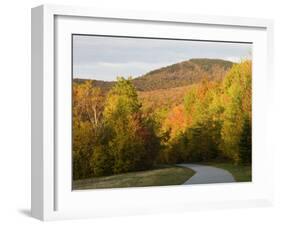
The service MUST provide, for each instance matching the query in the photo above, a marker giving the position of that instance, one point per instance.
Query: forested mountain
(197, 110)
(183, 73)
(176, 75)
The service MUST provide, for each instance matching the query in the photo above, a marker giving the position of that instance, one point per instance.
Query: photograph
(152, 111)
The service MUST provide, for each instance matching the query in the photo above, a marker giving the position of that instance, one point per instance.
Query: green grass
(241, 173)
(160, 176)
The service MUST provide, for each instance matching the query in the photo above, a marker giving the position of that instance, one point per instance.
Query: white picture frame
(52, 197)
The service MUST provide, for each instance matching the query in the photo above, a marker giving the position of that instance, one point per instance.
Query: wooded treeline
(120, 131)
(176, 75)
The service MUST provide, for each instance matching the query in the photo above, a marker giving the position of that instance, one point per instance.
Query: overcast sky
(104, 58)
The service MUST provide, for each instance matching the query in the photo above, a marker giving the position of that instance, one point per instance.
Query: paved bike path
(208, 174)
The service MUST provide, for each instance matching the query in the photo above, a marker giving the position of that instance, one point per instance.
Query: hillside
(176, 75)
(162, 98)
(183, 74)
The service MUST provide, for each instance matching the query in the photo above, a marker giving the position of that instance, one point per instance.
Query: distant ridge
(176, 75)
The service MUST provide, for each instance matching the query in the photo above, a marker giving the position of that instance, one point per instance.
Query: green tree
(83, 141)
(134, 145)
(245, 144)
(102, 159)
(122, 100)
(236, 102)
(202, 127)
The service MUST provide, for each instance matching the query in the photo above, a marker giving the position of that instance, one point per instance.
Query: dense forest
(196, 110)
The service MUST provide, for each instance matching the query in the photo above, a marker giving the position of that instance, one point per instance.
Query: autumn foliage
(122, 130)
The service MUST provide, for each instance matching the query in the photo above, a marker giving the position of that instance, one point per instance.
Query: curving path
(208, 174)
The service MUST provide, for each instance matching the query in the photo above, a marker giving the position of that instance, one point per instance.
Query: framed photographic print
(137, 112)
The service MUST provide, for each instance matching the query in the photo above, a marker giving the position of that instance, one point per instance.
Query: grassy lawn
(164, 175)
(241, 173)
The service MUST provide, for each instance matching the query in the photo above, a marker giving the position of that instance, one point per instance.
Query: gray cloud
(104, 58)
